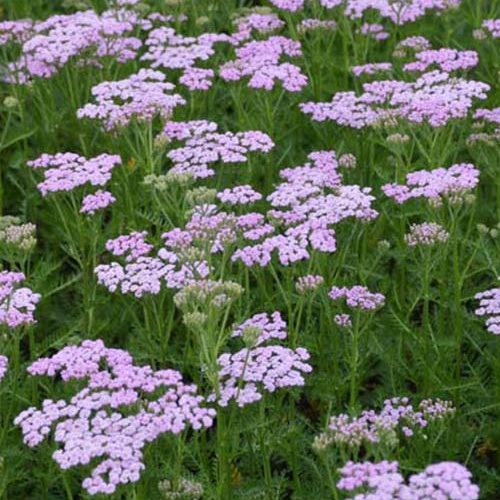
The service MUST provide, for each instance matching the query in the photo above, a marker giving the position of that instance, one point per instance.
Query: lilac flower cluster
(203, 146)
(142, 96)
(260, 60)
(197, 78)
(358, 296)
(261, 23)
(17, 304)
(97, 201)
(85, 37)
(244, 375)
(434, 97)
(239, 195)
(397, 414)
(308, 282)
(398, 11)
(374, 30)
(4, 363)
(445, 59)
(377, 481)
(312, 199)
(370, 69)
(67, 171)
(118, 412)
(488, 115)
(452, 183)
(492, 26)
(489, 302)
(343, 320)
(313, 24)
(426, 234)
(131, 245)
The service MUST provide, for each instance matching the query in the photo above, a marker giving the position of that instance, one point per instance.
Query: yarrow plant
(489, 302)
(17, 303)
(426, 234)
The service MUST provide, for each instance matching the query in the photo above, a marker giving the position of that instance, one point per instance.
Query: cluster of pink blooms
(435, 98)
(260, 60)
(67, 171)
(4, 363)
(141, 96)
(426, 234)
(114, 416)
(343, 320)
(397, 414)
(144, 274)
(371, 68)
(97, 201)
(204, 145)
(488, 115)
(452, 183)
(85, 37)
(375, 30)
(382, 481)
(261, 23)
(445, 59)
(308, 282)
(493, 26)
(244, 375)
(15, 31)
(197, 78)
(398, 11)
(312, 199)
(239, 195)
(17, 304)
(414, 43)
(313, 23)
(489, 302)
(358, 296)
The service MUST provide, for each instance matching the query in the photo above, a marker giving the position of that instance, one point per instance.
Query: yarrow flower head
(374, 481)
(398, 418)
(246, 374)
(17, 236)
(308, 282)
(426, 234)
(67, 171)
(239, 195)
(122, 408)
(141, 96)
(358, 296)
(260, 60)
(452, 183)
(489, 302)
(97, 201)
(492, 26)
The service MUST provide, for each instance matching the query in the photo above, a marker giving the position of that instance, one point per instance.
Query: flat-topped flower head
(4, 363)
(97, 201)
(67, 171)
(261, 61)
(358, 296)
(17, 303)
(445, 59)
(489, 302)
(308, 283)
(142, 96)
(383, 481)
(122, 408)
(452, 183)
(425, 234)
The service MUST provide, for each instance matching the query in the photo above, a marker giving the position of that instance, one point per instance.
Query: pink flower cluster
(85, 37)
(67, 171)
(239, 195)
(488, 115)
(4, 363)
(445, 59)
(453, 183)
(375, 30)
(493, 26)
(370, 69)
(426, 234)
(197, 78)
(142, 96)
(17, 304)
(260, 60)
(313, 23)
(312, 199)
(144, 274)
(382, 481)
(489, 302)
(261, 23)
(434, 97)
(97, 201)
(121, 409)
(308, 282)
(244, 375)
(358, 296)
(203, 146)
(397, 414)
